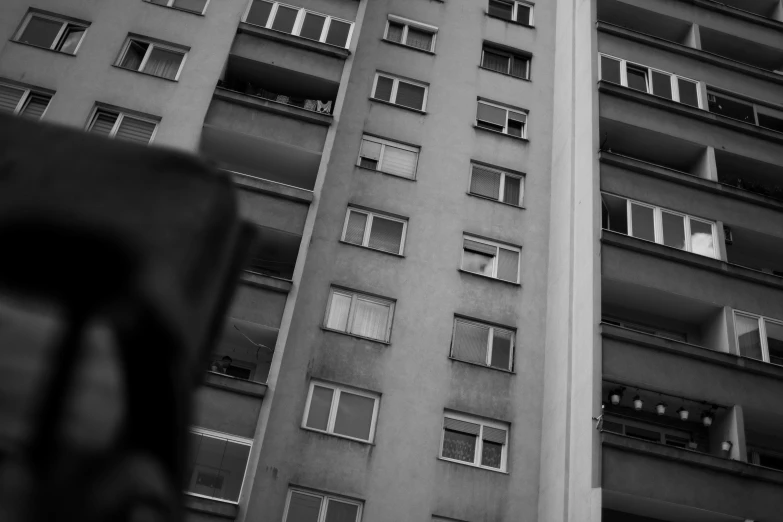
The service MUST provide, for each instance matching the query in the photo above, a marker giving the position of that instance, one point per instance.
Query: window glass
(519, 67)
(354, 416)
(383, 88)
(339, 307)
(215, 467)
(491, 454)
(394, 33)
(513, 191)
(637, 78)
(508, 265)
(197, 6)
(459, 446)
(731, 108)
(774, 342)
(103, 123)
(163, 63)
(470, 342)
(610, 70)
(303, 507)
(501, 349)
(70, 39)
(770, 122)
(615, 213)
(285, 19)
(673, 230)
(338, 33)
(370, 319)
(320, 405)
(501, 9)
(259, 13)
(35, 106)
(337, 511)
(523, 14)
(496, 62)
(399, 162)
(419, 39)
(134, 55)
(688, 92)
(662, 84)
(312, 26)
(354, 230)
(702, 241)
(643, 222)
(748, 336)
(516, 124)
(386, 235)
(409, 95)
(41, 31)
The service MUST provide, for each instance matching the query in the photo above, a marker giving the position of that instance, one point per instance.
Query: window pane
(371, 149)
(41, 32)
(370, 319)
(459, 446)
(259, 13)
(688, 92)
(508, 265)
(478, 263)
(338, 312)
(516, 127)
(9, 98)
(610, 70)
(103, 123)
(320, 404)
(409, 95)
(637, 78)
(701, 239)
(494, 115)
(774, 342)
(312, 26)
(383, 88)
(662, 84)
(354, 416)
(732, 109)
(232, 470)
(615, 213)
(485, 182)
(399, 162)
(205, 478)
(134, 55)
(338, 33)
(35, 106)
(748, 336)
(501, 349)
(394, 33)
(163, 63)
(470, 342)
(197, 6)
(132, 129)
(642, 222)
(673, 230)
(70, 39)
(419, 39)
(519, 67)
(513, 191)
(523, 14)
(341, 511)
(386, 235)
(491, 454)
(354, 230)
(285, 19)
(303, 508)
(495, 62)
(501, 9)
(770, 122)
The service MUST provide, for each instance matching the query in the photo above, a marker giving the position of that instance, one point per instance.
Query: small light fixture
(707, 417)
(683, 413)
(638, 404)
(660, 408)
(615, 396)
(692, 444)
(726, 445)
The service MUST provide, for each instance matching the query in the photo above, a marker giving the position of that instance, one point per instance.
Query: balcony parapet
(210, 506)
(235, 384)
(275, 284)
(263, 104)
(273, 188)
(294, 41)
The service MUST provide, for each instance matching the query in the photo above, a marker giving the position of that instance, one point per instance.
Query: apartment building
(516, 260)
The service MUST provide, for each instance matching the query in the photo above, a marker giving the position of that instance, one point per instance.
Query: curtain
(132, 129)
(103, 123)
(459, 446)
(163, 63)
(701, 238)
(35, 107)
(519, 67)
(320, 406)
(338, 311)
(508, 265)
(134, 55)
(303, 507)
(496, 62)
(399, 162)
(339, 512)
(386, 235)
(485, 182)
(419, 39)
(197, 6)
(502, 341)
(409, 95)
(513, 191)
(470, 342)
(370, 319)
(9, 98)
(354, 230)
(394, 34)
(73, 35)
(748, 336)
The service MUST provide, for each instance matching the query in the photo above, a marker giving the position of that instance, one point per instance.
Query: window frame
(371, 215)
(170, 5)
(299, 21)
(502, 192)
(505, 126)
(385, 142)
(334, 406)
(230, 438)
(762, 322)
(515, 11)
(407, 23)
(151, 46)
(120, 117)
(27, 92)
(57, 39)
(663, 431)
(393, 96)
(325, 499)
(355, 295)
(495, 258)
(490, 342)
(757, 108)
(479, 442)
(486, 46)
(673, 79)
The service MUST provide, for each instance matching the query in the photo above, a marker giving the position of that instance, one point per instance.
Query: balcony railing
(308, 104)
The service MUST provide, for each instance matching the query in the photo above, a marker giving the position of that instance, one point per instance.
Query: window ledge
(338, 436)
(501, 134)
(482, 276)
(486, 198)
(211, 506)
(369, 339)
(505, 74)
(473, 466)
(376, 100)
(372, 249)
(249, 182)
(42, 48)
(145, 74)
(294, 41)
(398, 44)
(501, 370)
(385, 173)
(275, 284)
(235, 384)
(509, 21)
(174, 8)
(262, 104)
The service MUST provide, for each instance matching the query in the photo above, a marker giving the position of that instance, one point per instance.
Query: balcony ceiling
(657, 509)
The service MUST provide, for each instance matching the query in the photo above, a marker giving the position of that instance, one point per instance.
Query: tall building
(516, 261)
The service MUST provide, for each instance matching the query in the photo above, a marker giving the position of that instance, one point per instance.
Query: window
(300, 22)
(649, 432)
(216, 464)
(759, 337)
(497, 185)
(481, 343)
(342, 411)
(662, 226)
(374, 230)
(651, 81)
(51, 32)
(520, 12)
(309, 506)
(501, 119)
(490, 259)
(410, 33)
(746, 111)
(388, 157)
(359, 314)
(23, 101)
(473, 441)
(399, 92)
(506, 62)
(152, 58)
(114, 124)
(194, 6)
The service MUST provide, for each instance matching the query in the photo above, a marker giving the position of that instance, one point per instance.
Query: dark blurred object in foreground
(118, 262)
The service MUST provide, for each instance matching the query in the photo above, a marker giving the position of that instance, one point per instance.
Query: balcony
(750, 174)
(765, 8)
(741, 50)
(646, 21)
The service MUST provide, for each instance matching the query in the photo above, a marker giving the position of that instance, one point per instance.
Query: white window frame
(338, 389)
(355, 295)
(231, 438)
(675, 86)
(170, 3)
(502, 192)
(406, 23)
(371, 215)
(395, 84)
(384, 142)
(120, 116)
(508, 111)
(762, 322)
(26, 93)
(300, 17)
(512, 56)
(325, 499)
(658, 224)
(150, 46)
(65, 23)
(479, 443)
(757, 108)
(515, 10)
(497, 246)
(662, 431)
(490, 341)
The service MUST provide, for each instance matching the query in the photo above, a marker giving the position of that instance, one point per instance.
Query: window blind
(285, 19)
(419, 39)
(494, 435)
(36, 105)
(399, 162)
(475, 246)
(461, 426)
(103, 123)
(485, 182)
(410, 95)
(386, 235)
(508, 265)
(519, 67)
(512, 191)
(394, 33)
(371, 150)
(370, 319)
(501, 9)
(496, 62)
(470, 342)
(383, 88)
(354, 230)
(303, 507)
(501, 349)
(494, 115)
(132, 129)
(9, 98)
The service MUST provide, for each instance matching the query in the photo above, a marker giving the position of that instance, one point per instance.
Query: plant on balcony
(775, 192)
